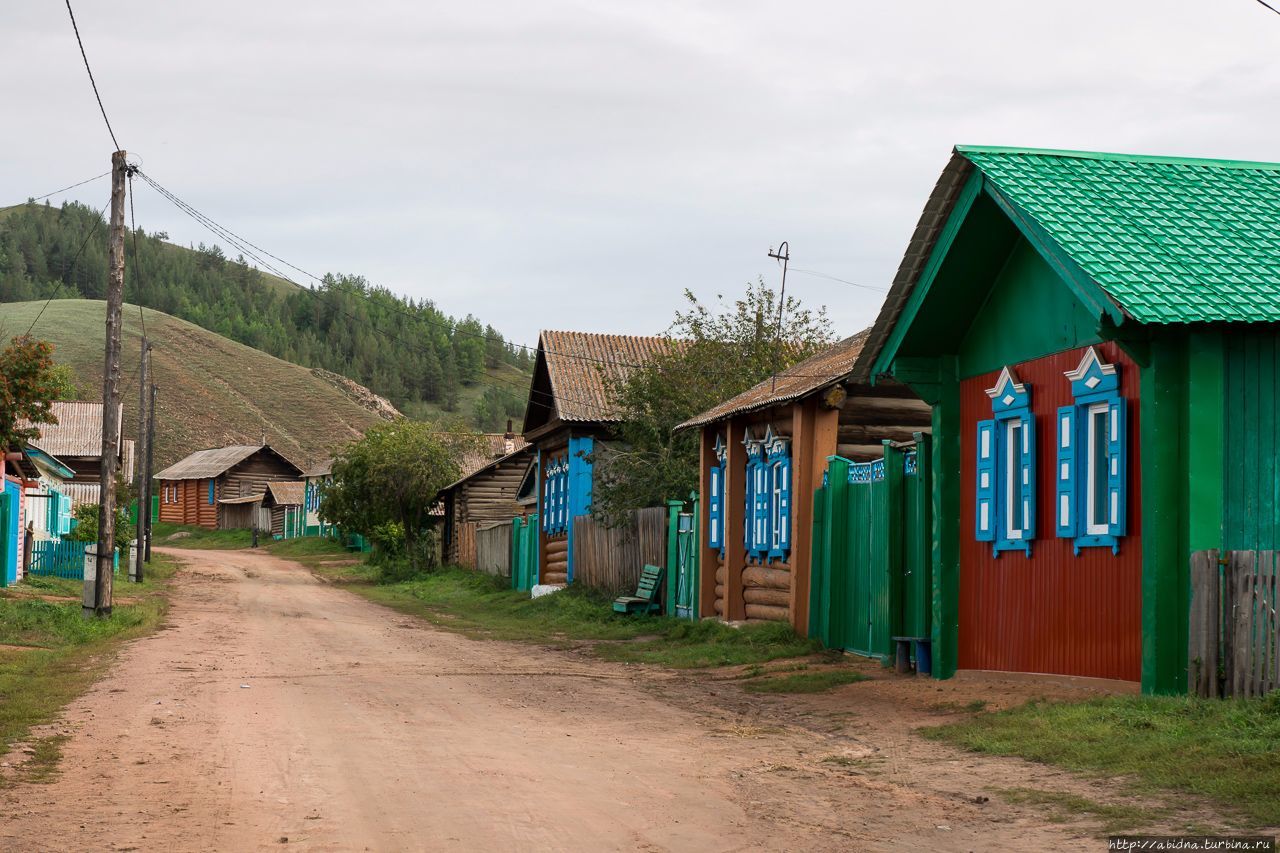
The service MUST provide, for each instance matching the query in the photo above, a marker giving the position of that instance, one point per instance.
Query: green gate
(682, 558)
(871, 577)
(524, 552)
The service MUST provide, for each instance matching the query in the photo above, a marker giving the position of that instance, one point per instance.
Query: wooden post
(734, 512)
(146, 474)
(813, 439)
(111, 392)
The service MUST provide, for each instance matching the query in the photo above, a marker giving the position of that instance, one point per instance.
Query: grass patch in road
(818, 681)
(320, 554)
(1223, 750)
(483, 606)
(165, 534)
(67, 652)
(1062, 807)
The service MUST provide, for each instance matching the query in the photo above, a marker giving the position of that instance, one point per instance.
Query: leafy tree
(391, 476)
(717, 352)
(29, 383)
(86, 516)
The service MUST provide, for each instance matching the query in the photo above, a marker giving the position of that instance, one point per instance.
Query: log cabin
(222, 488)
(1099, 338)
(569, 418)
(763, 454)
(283, 502)
(485, 494)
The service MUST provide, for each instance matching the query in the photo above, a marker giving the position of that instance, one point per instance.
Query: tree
(391, 476)
(29, 383)
(717, 352)
(86, 515)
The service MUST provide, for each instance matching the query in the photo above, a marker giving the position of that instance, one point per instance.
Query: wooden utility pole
(145, 543)
(139, 458)
(111, 391)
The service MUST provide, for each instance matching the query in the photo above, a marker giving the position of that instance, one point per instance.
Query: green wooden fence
(871, 578)
(58, 558)
(682, 558)
(524, 552)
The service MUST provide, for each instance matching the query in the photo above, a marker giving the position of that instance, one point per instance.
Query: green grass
(484, 607)
(818, 681)
(1062, 807)
(200, 537)
(1225, 751)
(67, 652)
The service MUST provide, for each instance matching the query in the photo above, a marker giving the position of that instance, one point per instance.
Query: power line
(1269, 6)
(841, 280)
(137, 264)
(92, 82)
(66, 268)
(57, 192)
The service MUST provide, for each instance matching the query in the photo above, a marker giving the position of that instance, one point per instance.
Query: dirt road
(277, 712)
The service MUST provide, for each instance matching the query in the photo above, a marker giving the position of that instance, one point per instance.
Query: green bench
(646, 598)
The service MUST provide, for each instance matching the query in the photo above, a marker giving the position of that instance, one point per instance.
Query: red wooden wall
(192, 505)
(1052, 612)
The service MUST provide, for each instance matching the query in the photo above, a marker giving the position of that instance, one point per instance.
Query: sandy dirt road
(276, 712)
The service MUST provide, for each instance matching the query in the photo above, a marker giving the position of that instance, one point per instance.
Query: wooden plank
(1242, 602)
(1226, 616)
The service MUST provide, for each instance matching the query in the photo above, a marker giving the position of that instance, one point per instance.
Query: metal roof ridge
(1166, 159)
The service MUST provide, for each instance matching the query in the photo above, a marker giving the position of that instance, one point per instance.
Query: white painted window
(1097, 504)
(1015, 511)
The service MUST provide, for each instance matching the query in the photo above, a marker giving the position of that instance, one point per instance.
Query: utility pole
(139, 457)
(783, 257)
(145, 544)
(111, 391)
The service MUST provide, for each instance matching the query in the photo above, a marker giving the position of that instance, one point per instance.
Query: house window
(211, 492)
(767, 533)
(1092, 451)
(1005, 508)
(555, 495)
(715, 532)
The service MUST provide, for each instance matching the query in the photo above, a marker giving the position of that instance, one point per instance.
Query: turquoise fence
(59, 558)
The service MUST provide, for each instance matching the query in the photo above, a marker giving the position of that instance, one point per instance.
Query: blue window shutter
(784, 512)
(1027, 475)
(210, 491)
(713, 505)
(1117, 430)
(764, 503)
(984, 522)
(1065, 474)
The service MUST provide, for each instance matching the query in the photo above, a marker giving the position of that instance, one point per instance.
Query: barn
(1097, 335)
(221, 488)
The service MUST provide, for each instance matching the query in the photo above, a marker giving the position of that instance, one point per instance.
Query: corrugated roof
(245, 499)
(799, 380)
(78, 431)
(211, 463)
(578, 362)
(321, 469)
(492, 446)
(287, 493)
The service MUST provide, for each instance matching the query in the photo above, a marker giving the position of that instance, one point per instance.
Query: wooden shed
(283, 500)
(217, 488)
(485, 495)
(569, 417)
(764, 453)
(1098, 336)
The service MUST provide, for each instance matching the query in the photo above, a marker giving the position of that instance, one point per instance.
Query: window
(778, 453)
(555, 495)
(715, 533)
(1092, 452)
(1005, 507)
(767, 532)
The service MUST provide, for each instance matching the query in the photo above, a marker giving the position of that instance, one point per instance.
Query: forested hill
(408, 351)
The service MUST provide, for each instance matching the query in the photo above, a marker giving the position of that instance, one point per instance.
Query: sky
(579, 165)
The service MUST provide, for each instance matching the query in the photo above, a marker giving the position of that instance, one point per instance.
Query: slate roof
(78, 431)
(286, 493)
(801, 379)
(578, 362)
(211, 463)
(1166, 239)
(321, 469)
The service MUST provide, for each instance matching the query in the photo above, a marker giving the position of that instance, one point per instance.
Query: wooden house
(484, 495)
(569, 418)
(47, 506)
(1099, 338)
(317, 476)
(12, 521)
(764, 452)
(221, 488)
(284, 500)
(76, 441)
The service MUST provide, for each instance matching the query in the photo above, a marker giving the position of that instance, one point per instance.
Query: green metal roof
(1171, 240)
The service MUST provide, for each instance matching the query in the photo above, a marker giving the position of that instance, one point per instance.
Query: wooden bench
(646, 598)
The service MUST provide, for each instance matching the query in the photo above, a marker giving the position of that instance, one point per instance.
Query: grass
(818, 681)
(1224, 751)
(1062, 807)
(199, 537)
(64, 652)
(484, 607)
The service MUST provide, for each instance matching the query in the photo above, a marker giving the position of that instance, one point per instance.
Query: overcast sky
(577, 165)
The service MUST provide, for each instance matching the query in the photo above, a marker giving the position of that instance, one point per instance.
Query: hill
(405, 350)
(213, 391)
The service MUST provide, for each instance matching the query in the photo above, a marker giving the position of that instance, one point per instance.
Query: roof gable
(78, 431)
(572, 371)
(217, 461)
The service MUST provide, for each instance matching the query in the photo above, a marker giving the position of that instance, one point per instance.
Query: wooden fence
(1234, 636)
(493, 549)
(610, 559)
(464, 547)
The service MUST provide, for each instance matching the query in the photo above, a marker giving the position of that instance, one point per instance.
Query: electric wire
(57, 192)
(1268, 6)
(62, 279)
(92, 82)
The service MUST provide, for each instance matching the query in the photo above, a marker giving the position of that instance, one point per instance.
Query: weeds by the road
(1062, 807)
(51, 653)
(817, 681)
(482, 606)
(190, 536)
(1221, 749)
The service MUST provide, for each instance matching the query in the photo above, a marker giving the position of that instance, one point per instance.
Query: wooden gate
(1234, 636)
(682, 559)
(871, 577)
(493, 549)
(524, 552)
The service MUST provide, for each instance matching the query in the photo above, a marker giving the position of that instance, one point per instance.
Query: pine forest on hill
(426, 363)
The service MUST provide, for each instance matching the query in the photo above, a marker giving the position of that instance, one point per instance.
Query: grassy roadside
(190, 536)
(1224, 751)
(49, 653)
